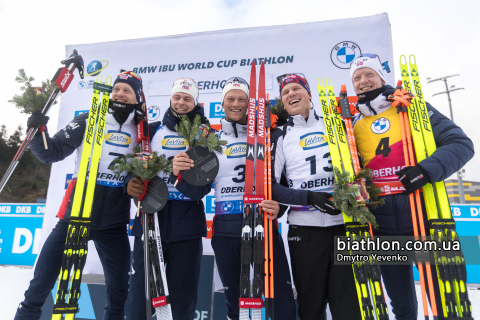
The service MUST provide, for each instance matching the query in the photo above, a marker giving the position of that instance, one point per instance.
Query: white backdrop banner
(316, 49)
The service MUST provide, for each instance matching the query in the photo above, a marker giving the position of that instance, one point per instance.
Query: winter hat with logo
(299, 78)
(367, 60)
(235, 83)
(186, 85)
(133, 80)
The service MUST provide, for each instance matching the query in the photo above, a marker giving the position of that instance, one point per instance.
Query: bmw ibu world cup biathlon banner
(316, 49)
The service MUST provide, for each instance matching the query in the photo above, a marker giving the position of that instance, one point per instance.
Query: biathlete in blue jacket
(182, 220)
(314, 221)
(111, 208)
(229, 190)
(379, 142)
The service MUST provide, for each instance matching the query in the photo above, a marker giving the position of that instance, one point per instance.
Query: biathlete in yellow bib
(379, 141)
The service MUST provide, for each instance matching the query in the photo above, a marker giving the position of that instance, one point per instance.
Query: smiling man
(379, 141)
(182, 220)
(314, 221)
(111, 208)
(229, 189)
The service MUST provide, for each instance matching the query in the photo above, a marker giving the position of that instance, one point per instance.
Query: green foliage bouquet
(352, 195)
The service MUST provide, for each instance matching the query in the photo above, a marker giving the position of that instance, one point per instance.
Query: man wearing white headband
(229, 185)
(182, 220)
(379, 142)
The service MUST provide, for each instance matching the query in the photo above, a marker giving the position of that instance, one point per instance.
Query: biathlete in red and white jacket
(229, 189)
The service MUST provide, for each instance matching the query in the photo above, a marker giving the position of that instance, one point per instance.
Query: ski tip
(412, 56)
(328, 82)
(320, 82)
(253, 64)
(403, 60)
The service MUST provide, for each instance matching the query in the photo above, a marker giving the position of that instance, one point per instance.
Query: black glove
(321, 201)
(37, 119)
(412, 178)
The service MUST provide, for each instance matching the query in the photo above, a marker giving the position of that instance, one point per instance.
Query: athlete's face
(296, 99)
(182, 103)
(235, 105)
(366, 79)
(123, 93)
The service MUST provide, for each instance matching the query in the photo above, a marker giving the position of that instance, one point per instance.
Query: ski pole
(401, 99)
(62, 78)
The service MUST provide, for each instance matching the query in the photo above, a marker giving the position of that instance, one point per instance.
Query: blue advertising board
(20, 232)
(467, 221)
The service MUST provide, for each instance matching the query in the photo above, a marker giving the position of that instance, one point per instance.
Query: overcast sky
(444, 36)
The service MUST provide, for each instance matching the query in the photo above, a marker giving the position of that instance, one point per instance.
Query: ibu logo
(236, 150)
(216, 110)
(313, 140)
(174, 143)
(118, 139)
(380, 125)
(95, 67)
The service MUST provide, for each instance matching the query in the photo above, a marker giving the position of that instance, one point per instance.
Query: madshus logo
(343, 53)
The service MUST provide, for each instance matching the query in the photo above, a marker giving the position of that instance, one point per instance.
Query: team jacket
(379, 142)
(183, 217)
(111, 207)
(230, 182)
(303, 157)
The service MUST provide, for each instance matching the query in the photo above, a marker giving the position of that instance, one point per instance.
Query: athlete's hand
(181, 162)
(413, 178)
(321, 202)
(37, 119)
(271, 208)
(135, 187)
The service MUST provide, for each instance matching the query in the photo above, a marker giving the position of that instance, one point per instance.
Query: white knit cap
(367, 61)
(186, 85)
(235, 84)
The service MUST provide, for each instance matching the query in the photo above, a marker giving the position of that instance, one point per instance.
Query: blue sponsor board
(467, 221)
(20, 232)
(216, 110)
(80, 112)
(210, 202)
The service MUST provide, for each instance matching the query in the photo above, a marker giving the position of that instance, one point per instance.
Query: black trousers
(114, 252)
(227, 257)
(182, 259)
(317, 279)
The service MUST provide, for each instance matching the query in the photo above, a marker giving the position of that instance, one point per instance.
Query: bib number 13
(313, 164)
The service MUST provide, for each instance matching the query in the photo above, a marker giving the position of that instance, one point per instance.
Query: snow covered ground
(14, 281)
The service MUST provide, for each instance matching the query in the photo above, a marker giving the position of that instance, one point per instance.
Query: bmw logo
(380, 125)
(82, 85)
(227, 206)
(95, 67)
(153, 113)
(343, 53)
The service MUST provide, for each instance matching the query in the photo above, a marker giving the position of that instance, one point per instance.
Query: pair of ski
(343, 153)
(76, 244)
(257, 228)
(450, 265)
(156, 288)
